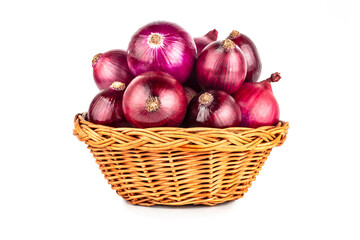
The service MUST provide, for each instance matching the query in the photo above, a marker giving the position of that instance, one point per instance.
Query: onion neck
(234, 34)
(119, 86)
(212, 35)
(96, 58)
(152, 104)
(155, 40)
(228, 44)
(206, 98)
(275, 77)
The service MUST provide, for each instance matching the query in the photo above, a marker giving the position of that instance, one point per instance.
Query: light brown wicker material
(179, 166)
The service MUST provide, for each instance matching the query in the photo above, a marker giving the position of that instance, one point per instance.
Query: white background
(51, 187)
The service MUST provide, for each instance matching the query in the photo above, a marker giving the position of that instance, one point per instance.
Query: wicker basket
(179, 166)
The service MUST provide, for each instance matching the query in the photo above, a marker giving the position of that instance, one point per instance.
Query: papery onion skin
(220, 112)
(202, 42)
(154, 99)
(257, 103)
(221, 65)
(109, 67)
(106, 107)
(253, 61)
(162, 46)
(190, 93)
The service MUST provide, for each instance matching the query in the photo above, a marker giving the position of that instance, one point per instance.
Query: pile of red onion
(166, 78)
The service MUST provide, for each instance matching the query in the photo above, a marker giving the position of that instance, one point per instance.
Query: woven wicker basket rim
(82, 119)
(180, 139)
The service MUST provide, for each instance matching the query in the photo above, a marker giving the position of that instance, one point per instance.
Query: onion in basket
(109, 67)
(221, 65)
(162, 46)
(154, 99)
(257, 103)
(213, 108)
(106, 107)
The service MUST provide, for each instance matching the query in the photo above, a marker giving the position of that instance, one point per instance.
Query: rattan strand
(179, 166)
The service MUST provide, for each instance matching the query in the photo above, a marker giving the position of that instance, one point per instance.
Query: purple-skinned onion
(154, 99)
(221, 66)
(111, 67)
(162, 46)
(253, 62)
(213, 108)
(257, 103)
(106, 107)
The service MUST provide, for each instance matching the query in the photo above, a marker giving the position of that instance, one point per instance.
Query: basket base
(203, 202)
(218, 189)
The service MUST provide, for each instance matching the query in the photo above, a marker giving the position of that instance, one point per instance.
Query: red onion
(257, 103)
(154, 99)
(221, 65)
(251, 54)
(190, 93)
(162, 46)
(213, 108)
(202, 42)
(110, 67)
(106, 107)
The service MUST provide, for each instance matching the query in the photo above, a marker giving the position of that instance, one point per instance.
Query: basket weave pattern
(179, 166)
